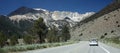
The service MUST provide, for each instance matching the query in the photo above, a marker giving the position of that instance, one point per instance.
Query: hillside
(20, 21)
(104, 24)
(7, 27)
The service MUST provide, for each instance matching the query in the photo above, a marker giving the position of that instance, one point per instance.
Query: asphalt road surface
(81, 47)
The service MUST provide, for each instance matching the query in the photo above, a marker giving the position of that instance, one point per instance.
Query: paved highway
(81, 47)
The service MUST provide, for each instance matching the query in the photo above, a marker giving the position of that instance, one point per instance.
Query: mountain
(75, 16)
(104, 24)
(34, 13)
(7, 27)
(24, 17)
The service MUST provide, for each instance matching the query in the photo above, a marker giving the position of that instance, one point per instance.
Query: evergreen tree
(2, 39)
(13, 40)
(40, 29)
(52, 35)
(65, 33)
(28, 39)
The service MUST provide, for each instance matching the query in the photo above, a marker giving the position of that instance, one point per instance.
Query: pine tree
(52, 35)
(13, 40)
(2, 39)
(65, 33)
(40, 29)
(28, 39)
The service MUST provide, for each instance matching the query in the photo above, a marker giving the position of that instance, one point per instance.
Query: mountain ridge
(54, 14)
(102, 25)
(51, 18)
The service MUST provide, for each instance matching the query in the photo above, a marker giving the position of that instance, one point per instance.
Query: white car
(93, 42)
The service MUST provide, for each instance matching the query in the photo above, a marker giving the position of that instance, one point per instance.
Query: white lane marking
(104, 49)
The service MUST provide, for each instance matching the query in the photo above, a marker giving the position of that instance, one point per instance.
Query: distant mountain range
(55, 18)
(24, 17)
(34, 13)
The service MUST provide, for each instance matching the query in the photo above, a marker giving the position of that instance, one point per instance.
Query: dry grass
(18, 48)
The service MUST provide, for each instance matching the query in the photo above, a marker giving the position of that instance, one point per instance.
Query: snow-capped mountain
(51, 18)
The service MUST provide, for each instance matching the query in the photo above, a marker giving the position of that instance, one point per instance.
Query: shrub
(113, 40)
(118, 26)
(2, 39)
(81, 34)
(112, 31)
(13, 40)
(102, 37)
(28, 39)
(117, 22)
(105, 34)
(3, 51)
(34, 46)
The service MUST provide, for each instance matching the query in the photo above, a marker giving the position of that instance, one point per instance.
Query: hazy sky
(81, 6)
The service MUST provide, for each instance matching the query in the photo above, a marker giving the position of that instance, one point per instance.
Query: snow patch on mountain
(39, 9)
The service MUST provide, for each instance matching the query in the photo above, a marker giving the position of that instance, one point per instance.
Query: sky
(80, 6)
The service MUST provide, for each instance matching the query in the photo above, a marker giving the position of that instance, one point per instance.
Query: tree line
(39, 33)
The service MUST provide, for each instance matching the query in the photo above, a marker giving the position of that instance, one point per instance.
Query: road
(81, 47)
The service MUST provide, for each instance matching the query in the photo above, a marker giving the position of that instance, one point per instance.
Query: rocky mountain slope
(7, 27)
(21, 20)
(34, 13)
(24, 17)
(104, 24)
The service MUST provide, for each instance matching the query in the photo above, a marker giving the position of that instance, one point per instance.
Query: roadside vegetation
(114, 41)
(18, 48)
(39, 36)
(3, 51)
